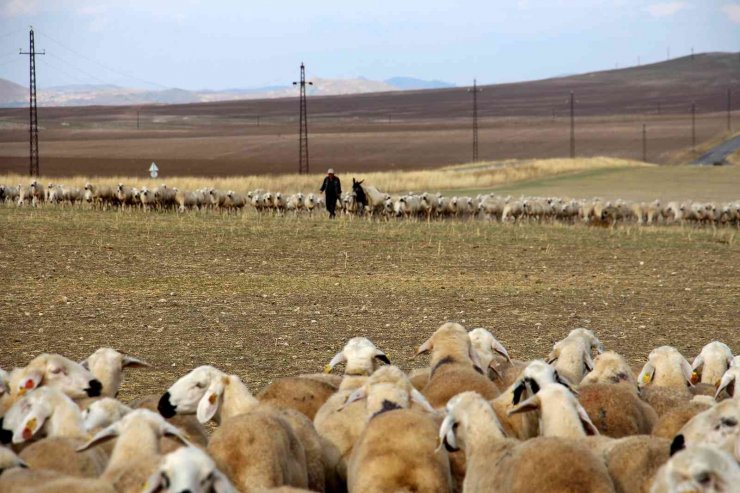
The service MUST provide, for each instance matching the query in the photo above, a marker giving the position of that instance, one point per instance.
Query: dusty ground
(264, 297)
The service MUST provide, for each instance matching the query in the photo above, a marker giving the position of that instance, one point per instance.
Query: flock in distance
(369, 201)
(473, 419)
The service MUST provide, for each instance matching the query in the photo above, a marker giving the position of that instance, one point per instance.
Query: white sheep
(611, 367)
(729, 382)
(54, 370)
(497, 463)
(488, 348)
(188, 469)
(107, 366)
(701, 469)
(103, 413)
(666, 367)
(718, 426)
(213, 395)
(572, 356)
(136, 452)
(409, 460)
(561, 415)
(712, 362)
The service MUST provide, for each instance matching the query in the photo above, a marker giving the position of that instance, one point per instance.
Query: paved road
(719, 153)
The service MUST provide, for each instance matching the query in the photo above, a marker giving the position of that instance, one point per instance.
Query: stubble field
(266, 296)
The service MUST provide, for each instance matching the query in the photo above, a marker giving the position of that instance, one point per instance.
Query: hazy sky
(221, 44)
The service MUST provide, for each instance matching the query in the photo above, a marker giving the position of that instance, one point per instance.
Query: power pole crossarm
(33, 124)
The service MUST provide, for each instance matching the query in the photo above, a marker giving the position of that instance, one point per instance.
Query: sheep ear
(598, 345)
(496, 373)
(419, 398)
(553, 356)
(518, 391)
(687, 371)
(500, 349)
(210, 401)
(588, 362)
(646, 375)
(565, 382)
(31, 381)
(154, 483)
(447, 434)
(30, 425)
(531, 404)
(588, 425)
(85, 364)
(355, 396)
(698, 362)
(130, 361)
(727, 379)
(380, 355)
(338, 358)
(425, 348)
(171, 430)
(100, 437)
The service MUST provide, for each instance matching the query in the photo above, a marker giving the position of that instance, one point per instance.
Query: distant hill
(11, 94)
(672, 85)
(410, 83)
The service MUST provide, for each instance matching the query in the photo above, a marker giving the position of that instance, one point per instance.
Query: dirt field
(390, 131)
(264, 297)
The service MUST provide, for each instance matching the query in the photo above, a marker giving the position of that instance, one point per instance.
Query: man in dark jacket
(333, 189)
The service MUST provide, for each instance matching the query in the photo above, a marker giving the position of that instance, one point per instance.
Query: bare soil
(264, 297)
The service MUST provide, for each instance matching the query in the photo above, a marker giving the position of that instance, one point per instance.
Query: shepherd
(333, 189)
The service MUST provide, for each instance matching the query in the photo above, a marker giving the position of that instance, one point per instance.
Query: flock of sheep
(363, 199)
(473, 420)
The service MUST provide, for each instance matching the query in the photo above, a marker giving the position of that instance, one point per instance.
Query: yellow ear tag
(327, 368)
(646, 378)
(694, 377)
(29, 429)
(212, 398)
(22, 391)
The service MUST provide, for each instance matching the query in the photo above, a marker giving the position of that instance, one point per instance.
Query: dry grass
(476, 175)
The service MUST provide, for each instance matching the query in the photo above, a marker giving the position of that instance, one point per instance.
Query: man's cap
(331, 171)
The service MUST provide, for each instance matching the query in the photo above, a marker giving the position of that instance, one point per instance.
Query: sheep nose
(678, 444)
(165, 407)
(94, 389)
(6, 436)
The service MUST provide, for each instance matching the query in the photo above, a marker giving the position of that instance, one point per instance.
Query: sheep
(146, 197)
(56, 371)
(188, 469)
(610, 367)
(712, 362)
(103, 413)
(488, 348)
(497, 463)
(572, 355)
(533, 377)
(8, 460)
(360, 356)
(409, 461)
(236, 200)
(340, 426)
(729, 382)
(9, 193)
(48, 412)
(454, 366)
(310, 202)
(102, 195)
(107, 366)
(616, 410)
(187, 200)
(303, 393)
(212, 394)
(561, 415)
(188, 424)
(136, 452)
(666, 367)
(295, 202)
(22, 480)
(700, 469)
(718, 426)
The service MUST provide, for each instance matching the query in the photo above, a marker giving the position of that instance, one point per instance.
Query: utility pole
(644, 143)
(303, 125)
(137, 119)
(668, 53)
(572, 126)
(659, 107)
(33, 125)
(475, 92)
(693, 126)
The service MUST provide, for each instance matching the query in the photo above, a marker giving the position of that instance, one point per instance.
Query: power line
(33, 127)
(72, 66)
(116, 71)
(303, 125)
